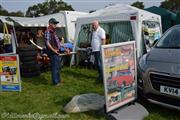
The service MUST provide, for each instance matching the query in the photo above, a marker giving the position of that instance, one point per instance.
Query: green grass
(39, 96)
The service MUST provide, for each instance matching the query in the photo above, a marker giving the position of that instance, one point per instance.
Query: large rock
(85, 102)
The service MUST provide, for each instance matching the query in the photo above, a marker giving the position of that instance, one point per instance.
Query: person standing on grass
(98, 39)
(53, 46)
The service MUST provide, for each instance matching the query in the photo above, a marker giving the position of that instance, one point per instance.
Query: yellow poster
(9, 73)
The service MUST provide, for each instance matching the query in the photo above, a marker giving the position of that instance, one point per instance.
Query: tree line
(172, 5)
(54, 6)
(40, 9)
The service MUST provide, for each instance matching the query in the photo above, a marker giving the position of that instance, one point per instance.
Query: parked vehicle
(159, 70)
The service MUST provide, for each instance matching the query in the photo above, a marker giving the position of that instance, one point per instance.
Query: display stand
(129, 112)
(120, 82)
(9, 62)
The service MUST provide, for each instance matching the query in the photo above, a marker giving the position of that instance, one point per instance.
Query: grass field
(38, 96)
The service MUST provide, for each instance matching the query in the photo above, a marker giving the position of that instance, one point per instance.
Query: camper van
(121, 23)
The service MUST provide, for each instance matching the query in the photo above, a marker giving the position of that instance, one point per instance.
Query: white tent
(67, 21)
(10, 20)
(3, 20)
(35, 21)
(42, 21)
(120, 13)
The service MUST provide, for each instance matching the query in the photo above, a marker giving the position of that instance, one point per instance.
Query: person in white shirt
(98, 39)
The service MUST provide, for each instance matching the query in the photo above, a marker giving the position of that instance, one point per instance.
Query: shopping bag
(7, 36)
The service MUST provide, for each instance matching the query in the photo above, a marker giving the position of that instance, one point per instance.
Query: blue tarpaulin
(66, 45)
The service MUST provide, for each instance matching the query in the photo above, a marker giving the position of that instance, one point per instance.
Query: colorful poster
(9, 73)
(119, 70)
(151, 32)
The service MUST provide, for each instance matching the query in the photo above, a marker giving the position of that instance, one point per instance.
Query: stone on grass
(85, 102)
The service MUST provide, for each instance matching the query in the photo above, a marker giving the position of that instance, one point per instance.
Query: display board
(9, 73)
(119, 74)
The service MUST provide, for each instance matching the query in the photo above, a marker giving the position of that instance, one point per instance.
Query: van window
(171, 39)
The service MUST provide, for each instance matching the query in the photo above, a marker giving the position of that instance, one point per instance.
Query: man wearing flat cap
(53, 46)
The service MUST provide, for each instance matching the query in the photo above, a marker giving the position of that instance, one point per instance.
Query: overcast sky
(78, 5)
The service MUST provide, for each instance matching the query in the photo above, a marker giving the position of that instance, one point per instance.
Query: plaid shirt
(48, 37)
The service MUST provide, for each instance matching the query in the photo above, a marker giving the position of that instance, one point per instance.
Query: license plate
(170, 90)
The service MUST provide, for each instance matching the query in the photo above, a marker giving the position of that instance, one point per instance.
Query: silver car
(159, 70)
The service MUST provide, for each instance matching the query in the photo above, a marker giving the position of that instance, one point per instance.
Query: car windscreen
(171, 39)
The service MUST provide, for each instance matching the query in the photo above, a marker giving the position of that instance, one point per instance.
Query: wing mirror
(154, 42)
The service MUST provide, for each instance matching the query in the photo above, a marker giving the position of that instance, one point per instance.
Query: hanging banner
(119, 72)
(9, 73)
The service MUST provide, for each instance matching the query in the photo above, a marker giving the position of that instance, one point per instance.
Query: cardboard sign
(119, 72)
(9, 73)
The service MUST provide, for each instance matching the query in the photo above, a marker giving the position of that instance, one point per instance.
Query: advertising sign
(151, 32)
(9, 73)
(119, 72)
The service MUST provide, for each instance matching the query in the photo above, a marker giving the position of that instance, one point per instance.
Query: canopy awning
(43, 21)
(34, 22)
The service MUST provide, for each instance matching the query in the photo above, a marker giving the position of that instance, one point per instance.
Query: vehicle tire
(30, 74)
(27, 54)
(27, 51)
(28, 69)
(27, 48)
(27, 59)
(30, 63)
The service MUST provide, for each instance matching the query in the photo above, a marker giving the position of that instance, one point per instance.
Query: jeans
(98, 63)
(55, 69)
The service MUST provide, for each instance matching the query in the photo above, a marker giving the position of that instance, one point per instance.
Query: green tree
(3, 11)
(138, 4)
(47, 7)
(6, 13)
(172, 5)
(18, 13)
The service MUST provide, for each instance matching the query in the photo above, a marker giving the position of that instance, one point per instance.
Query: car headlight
(143, 62)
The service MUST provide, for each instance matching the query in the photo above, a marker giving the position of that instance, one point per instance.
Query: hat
(53, 20)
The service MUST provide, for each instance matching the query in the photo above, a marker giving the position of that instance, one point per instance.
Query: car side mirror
(155, 41)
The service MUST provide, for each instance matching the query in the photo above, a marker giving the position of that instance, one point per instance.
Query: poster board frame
(10, 86)
(105, 78)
